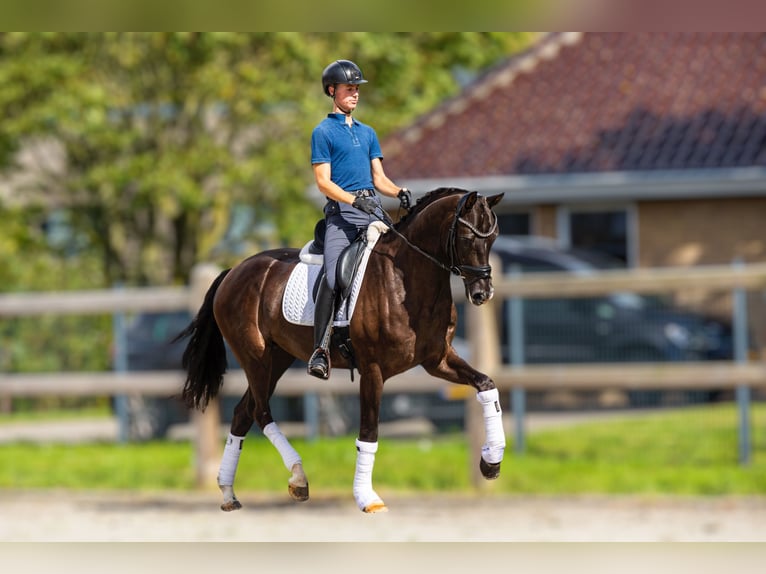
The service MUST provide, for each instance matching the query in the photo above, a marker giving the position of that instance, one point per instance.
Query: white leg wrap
(289, 455)
(365, 461)
(230, 460)
(492, 451)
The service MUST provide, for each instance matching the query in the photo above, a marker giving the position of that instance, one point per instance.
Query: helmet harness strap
(335, 102)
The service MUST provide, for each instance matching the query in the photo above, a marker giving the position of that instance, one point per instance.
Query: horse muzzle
(479, 292)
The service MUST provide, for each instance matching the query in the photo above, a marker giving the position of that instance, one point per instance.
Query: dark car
(148, 347)
(148, 341)
(620, 327)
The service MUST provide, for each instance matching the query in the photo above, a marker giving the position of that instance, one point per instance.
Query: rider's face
(346, 97)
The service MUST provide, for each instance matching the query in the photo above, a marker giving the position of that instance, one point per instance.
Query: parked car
(148, 347)
(619, 327)
(148, 337)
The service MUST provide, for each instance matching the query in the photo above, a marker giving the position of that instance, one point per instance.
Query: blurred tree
(148, 143)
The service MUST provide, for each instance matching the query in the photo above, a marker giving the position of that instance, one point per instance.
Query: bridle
(469, 273)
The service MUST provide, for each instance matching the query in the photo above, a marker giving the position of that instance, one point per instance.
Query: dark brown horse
(404, 316)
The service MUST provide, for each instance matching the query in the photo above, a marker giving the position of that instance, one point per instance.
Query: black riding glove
(366, 204)
(405, 198)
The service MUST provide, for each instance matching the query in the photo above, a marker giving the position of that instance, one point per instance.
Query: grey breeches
(338, 236)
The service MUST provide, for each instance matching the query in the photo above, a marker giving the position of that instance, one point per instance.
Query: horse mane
(425, 201)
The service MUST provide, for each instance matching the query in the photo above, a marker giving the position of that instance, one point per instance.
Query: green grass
(690, 452)
(57, 414)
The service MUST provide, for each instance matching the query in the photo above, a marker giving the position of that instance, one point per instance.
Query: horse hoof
(231, 505)
(299, 493)
(373, 507)
(489, 470)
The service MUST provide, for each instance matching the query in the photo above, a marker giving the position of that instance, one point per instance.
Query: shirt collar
(339, 117)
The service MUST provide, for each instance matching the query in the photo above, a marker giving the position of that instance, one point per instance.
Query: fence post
(740, 328)
(311, 415)
(207, 423)
(516, 336)
(120, 366)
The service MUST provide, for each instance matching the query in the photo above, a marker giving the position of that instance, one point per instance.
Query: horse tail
(204, 359)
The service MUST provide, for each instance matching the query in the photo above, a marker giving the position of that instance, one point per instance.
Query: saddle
(303, 284)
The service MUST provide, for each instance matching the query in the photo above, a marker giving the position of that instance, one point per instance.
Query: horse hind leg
(246, 412)
(241, 423)
(230, 459)
(297, 484)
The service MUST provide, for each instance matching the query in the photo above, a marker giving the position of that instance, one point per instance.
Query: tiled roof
(597, 103)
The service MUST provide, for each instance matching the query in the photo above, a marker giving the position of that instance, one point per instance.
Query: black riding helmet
(341, 72)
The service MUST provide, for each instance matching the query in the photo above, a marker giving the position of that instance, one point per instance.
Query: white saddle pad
(297, 301)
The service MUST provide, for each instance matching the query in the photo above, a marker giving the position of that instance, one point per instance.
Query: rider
(348, 169)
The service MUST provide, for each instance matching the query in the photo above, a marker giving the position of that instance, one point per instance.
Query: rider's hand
(405, 198)
(366, 204)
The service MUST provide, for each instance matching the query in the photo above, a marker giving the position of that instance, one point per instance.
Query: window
(602, 230)
(513, 223)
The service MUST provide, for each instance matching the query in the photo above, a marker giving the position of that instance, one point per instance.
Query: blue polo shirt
(348, 150)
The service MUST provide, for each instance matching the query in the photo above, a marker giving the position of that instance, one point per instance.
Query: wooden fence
(739, 374)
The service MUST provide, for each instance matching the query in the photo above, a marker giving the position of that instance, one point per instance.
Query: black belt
(364, 193)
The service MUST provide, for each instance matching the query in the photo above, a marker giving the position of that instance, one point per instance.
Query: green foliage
(162, 135)
(48, 343)
(691, 452)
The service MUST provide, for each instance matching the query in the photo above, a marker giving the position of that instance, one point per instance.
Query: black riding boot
(319, 363)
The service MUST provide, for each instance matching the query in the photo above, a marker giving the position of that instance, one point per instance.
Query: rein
(472, 272)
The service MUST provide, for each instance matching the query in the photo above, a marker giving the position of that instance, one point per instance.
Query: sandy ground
(165, 517)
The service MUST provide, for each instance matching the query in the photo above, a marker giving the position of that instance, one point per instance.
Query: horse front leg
(370, 393)
(494, 446)
(454, 369)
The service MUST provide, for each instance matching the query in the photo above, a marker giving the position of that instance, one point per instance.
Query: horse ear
(492, 201)
(470, 200)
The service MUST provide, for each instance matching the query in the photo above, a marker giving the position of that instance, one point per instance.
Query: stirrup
(319, 364)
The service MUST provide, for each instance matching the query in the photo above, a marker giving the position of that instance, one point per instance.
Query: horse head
(470, 238)
(467, 228)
